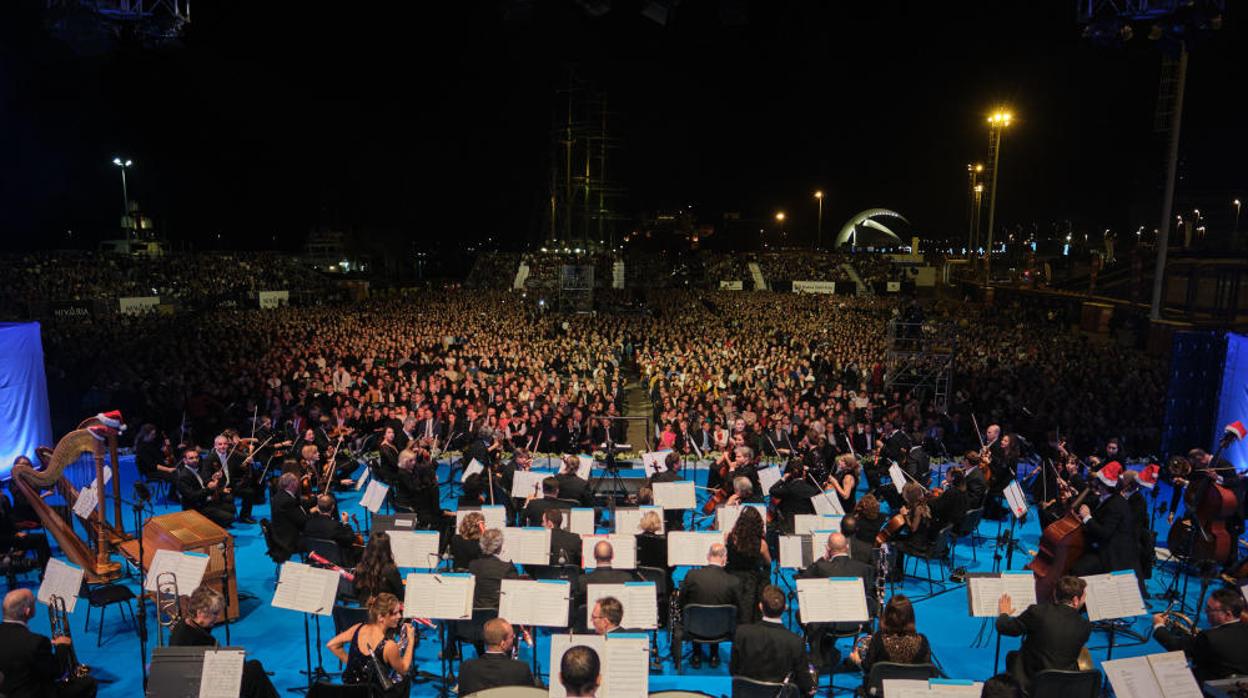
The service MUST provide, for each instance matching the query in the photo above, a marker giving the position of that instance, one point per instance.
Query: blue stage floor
(276, 636)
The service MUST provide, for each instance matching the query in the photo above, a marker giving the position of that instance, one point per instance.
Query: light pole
(1237, 205)
(997, 123)
(780, 225)
(125, 195)
(973, 171)
(819, 226)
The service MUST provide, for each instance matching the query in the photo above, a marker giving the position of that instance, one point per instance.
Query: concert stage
(276, 637)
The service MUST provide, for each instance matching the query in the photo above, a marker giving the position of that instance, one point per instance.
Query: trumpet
(1178, 623)
(58, 620)
(168, 605)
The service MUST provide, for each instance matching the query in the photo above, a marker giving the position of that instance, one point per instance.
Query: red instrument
(1213, 505)
(1060, 545)
(891, 527)
(323, 562)
(717, 497)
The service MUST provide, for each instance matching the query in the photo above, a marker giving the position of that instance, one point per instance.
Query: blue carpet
(275, 636)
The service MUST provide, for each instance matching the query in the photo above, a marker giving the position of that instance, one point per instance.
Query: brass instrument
(1178, 623)
(168, 605)
(1084, 661)
(58, 620)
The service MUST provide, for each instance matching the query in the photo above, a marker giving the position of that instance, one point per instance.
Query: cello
(1061, 544)
(1211, 505)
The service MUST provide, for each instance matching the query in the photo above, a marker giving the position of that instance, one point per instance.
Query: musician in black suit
(1053, 633)
(951, 506)
(710, 585)
(571, 486)
(235, 466)
(1109, 528)
(1219, 651)
(30, 664)
(837, 562)
(204, 609)
(603, 572)
(565, 546)
(496, 667)
(14, 537)
(768, 651)
(203, 492)
(490, 571)
(794, 492)
(481, 449)
(859, 549)
(289, 517)
(535, 508)
(976, 485)
(321, 524)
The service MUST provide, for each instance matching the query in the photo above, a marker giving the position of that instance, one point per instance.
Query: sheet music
(767, 477)
(726, 516)
(473, 468)
(222, 675)
(675, 495)
(652, 462)
(527, 483)
(86, 502)
(529, 602)
(904, 688)
(374, 495)
(415, 549)
(403, 524)
(495, 516)
(586, 467)
(1173, 675)
(984, 591)
(639, 599)
(108, 476)
(628, 519)
(793, 552)
(624, 546)
(60, 579)
(581, 520)
(526, 546)
(188, 567)
(1133, 678)
(363, 478)
(898, 476)
(690, 547)
(835, 600)
(805, 523)
(1114, 595)
(828, 504)
(559, 644)
(439, 596)
(819, 541)
(954, 687)
(307, 589)
(1015, 498)
(626, 665)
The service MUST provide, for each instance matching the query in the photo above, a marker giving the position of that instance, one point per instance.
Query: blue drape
(25, 420)
(1233, 402)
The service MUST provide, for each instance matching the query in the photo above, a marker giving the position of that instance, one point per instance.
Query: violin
(717, 498)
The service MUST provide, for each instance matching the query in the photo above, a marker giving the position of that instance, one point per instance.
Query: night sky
(433, 122)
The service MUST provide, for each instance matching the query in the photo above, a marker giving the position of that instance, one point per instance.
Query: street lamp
(1236, 204)
(819, 227)
(973, 170)
(997, 123)
(125, 195)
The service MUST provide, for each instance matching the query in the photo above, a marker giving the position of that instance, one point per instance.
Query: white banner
(814, 287)
(734, 285)
(274, 299)
(894, 286)
(138, 304)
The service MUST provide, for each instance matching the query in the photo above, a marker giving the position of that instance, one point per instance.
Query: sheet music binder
(177, 671)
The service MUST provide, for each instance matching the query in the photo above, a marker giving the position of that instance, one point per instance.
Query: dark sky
(433, 121)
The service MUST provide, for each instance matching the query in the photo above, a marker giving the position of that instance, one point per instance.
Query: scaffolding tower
(583, 210)
(921, 359)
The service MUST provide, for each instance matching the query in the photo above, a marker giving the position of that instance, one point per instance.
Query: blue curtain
(25, 421)
(1233, 402)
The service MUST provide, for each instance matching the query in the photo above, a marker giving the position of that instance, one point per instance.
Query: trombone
(168, 605)
(58, 619)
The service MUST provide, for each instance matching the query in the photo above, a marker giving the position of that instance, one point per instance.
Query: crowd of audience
(40, 277)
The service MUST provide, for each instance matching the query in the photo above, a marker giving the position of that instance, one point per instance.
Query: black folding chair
(705, 624)
(1053, 683)
(969, 528)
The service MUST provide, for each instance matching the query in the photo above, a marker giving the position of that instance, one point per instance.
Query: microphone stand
(139, 506)
(225, 590)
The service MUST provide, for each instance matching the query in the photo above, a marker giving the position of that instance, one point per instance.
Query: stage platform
(276, 637)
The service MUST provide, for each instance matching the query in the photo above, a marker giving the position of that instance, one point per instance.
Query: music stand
(178, 671)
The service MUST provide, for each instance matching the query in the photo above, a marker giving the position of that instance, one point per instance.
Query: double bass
(1206, 537)
(1061, 544)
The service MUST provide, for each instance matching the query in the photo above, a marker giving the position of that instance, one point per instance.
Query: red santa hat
(112, 420)
(1148, 476)
(1109, 474)
(1236, 430)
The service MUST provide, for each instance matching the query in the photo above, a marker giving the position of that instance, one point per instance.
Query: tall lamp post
(780, 225)
(997, 123)
(819, 226)
(125, 195)
(973, 171)
(1236, 203)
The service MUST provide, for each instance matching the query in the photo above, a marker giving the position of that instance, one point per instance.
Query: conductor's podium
(191, 531)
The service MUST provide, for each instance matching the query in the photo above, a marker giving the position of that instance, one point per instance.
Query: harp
(92, 436)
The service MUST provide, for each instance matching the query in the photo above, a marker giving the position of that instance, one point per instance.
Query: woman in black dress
(377, 572)
(748, 560)
(897, 641)
(466, 543)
